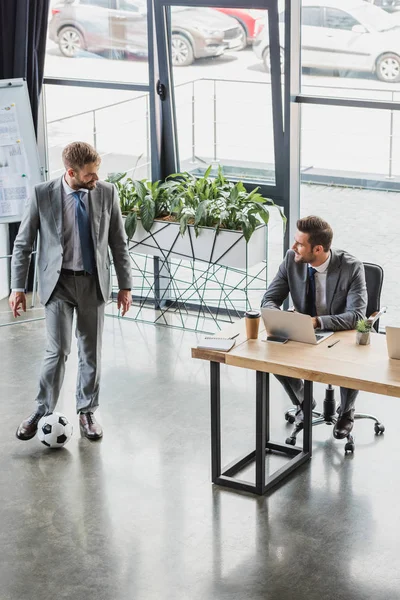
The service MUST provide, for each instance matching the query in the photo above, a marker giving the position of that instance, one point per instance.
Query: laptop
(293, 326)
(393, 341)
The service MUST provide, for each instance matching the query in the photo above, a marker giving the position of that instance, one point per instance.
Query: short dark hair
(78, 154)
(319, 231)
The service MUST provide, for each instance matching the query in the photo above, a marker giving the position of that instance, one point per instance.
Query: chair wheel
(290, 418)
(349, 447)
(379, 428)
(291, 441)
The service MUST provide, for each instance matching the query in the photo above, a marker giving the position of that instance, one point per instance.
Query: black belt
(74, 273)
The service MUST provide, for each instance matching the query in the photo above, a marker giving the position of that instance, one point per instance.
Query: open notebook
(216, 343)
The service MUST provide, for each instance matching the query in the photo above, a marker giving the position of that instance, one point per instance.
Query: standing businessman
(78, 219)
(327, 284)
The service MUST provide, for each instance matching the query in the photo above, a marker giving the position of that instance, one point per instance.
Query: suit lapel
(332, 279)
(95, 209)
(55, 199)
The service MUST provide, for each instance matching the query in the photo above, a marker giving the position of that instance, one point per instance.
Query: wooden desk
(346, 364)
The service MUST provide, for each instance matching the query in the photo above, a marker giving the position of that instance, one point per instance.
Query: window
(100, 3)
(311, 16)
(338, 19)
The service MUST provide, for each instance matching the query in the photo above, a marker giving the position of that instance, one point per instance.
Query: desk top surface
(347, 364)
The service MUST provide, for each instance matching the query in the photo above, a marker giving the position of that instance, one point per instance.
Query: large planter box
(228, 248)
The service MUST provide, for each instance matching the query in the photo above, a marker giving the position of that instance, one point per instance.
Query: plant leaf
(201, 212)
(140, 189)
(130, 224)
(147, 212)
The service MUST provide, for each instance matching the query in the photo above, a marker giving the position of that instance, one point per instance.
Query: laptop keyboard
(319, 337)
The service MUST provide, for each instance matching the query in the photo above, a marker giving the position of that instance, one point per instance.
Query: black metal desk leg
(307, 435)
(261, 429)
(215, 421)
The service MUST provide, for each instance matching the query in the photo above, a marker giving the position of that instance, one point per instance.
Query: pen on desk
(234, 336)
(334, 343)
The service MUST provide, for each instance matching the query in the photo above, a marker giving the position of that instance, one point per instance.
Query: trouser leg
(89, 332)
(59, 315)
(293, 387)
(347, 399)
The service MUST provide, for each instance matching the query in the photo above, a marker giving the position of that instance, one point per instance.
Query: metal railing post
(148, 159)
(215, 121)
(193, 125)
(390, 176)
(94, 130)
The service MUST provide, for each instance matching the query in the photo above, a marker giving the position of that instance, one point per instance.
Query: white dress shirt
(320, 287)
(72, 258)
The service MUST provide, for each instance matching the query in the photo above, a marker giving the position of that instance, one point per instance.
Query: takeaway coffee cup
(252, 323)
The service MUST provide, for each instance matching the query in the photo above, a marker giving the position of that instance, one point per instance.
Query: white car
(343, 34)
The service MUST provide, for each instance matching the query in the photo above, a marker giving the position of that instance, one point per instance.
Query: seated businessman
(327, 284)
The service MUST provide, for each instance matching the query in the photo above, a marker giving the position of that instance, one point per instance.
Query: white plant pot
(363, 339)
(228, 248)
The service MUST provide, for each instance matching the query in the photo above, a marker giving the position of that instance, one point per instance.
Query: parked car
(251, 21)
(120, 26)
(343, 34)
(388, 5)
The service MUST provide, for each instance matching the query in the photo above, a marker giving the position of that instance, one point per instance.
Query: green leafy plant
(142, 199)
(363, 326)
(199, 201)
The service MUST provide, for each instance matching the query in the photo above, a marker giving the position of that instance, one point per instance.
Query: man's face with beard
(304, 253)
(85, 178)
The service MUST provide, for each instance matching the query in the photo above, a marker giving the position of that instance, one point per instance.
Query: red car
(251, 21)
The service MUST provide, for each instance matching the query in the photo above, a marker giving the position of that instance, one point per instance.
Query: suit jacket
(346, 291)
(44, 214)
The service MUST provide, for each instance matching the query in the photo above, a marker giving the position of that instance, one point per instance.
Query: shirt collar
(68, 190)
(322, 268)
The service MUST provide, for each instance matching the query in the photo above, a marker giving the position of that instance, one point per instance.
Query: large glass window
(98, 39)
(116, 123)
(223, 101)
(356, 148)
(347, 46)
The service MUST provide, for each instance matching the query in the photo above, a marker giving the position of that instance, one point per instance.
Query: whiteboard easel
(15, 92)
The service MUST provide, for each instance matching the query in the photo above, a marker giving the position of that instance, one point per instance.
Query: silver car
(344, 34)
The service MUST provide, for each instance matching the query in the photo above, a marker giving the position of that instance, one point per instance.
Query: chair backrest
(374, 281)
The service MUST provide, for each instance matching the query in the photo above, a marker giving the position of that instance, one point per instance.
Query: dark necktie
(311, 307)
(85, 236)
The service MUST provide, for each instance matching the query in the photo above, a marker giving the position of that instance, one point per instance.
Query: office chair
(374, 281)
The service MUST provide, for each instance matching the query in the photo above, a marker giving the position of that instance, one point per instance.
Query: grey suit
(62, 294)
(346, 300)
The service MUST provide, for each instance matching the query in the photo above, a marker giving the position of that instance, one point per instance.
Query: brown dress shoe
(344, 425)
(28, 428)
(89, 427)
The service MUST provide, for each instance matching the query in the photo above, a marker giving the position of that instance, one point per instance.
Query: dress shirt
(320, 287)
(72, 258)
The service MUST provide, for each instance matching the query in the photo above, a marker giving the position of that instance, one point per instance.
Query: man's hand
(124, 300)
(315, 322)
(17, 300)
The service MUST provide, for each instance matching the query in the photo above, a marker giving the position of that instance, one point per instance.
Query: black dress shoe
(89, 426)
(28, 428)
(299, 414)
(344, 425)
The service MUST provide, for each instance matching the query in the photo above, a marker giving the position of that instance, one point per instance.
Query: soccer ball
(54, 430)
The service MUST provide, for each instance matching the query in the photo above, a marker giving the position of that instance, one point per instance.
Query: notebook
(216, 343)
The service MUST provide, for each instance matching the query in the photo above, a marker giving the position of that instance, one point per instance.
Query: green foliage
(363, 326)
(200, 201)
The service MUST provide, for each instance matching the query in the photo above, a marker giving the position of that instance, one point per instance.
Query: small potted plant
(363, 329)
